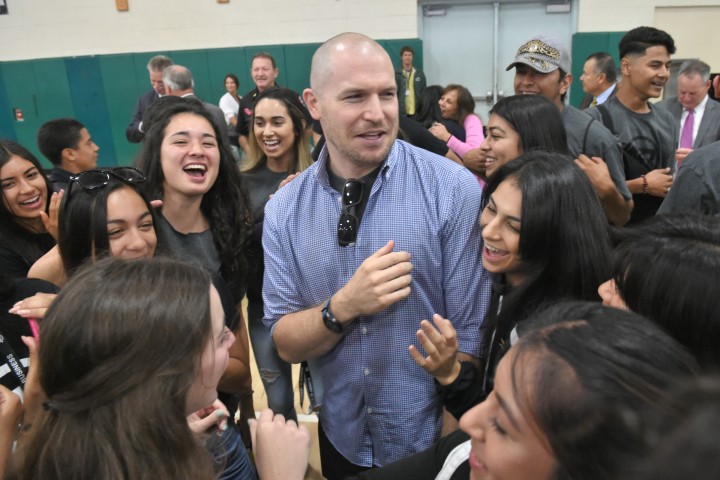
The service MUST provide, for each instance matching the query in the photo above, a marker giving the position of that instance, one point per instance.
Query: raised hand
(441, 347)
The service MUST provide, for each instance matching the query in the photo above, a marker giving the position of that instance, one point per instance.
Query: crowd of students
(127, 354)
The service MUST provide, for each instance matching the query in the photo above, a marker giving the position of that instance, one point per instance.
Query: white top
(457, 456)
(229, 106)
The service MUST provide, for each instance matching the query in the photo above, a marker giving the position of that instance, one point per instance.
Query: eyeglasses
(99, 178)
(352, 197)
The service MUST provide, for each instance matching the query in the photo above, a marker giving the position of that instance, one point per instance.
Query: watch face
(330, 322)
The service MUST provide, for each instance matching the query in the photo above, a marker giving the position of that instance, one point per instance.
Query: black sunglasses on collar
(352, 197)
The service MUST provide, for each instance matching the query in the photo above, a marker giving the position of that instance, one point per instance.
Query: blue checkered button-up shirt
(378, 405)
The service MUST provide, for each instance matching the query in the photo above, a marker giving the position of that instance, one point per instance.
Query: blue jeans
(228, 451)
(276, 374)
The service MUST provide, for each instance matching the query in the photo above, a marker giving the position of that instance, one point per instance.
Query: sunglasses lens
(130, 175)
(352, 192)
(92, 179)
(347, 229)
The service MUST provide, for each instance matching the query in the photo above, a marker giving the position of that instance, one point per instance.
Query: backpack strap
(606, 118)
(585, 135)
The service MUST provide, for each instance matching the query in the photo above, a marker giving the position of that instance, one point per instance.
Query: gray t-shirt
(193, 247)
(648, 141)
(585, 135)
(697, 186)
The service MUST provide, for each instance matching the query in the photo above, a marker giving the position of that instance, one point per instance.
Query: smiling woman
(25, 192)
(205, 218)
(545, 239)
(278, 148)
(572, 400)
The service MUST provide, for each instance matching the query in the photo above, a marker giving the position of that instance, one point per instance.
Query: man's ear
(565, 83)
(625, 66)
(67, 154)
(311, 102)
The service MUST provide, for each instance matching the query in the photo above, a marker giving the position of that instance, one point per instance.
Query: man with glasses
(374, 237)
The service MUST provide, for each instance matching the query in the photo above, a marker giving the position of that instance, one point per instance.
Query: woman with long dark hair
(668, 270)
(545, 240)
(26, 198)
(205, 215)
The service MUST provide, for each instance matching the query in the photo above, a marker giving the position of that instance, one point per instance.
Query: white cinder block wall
(60, 28)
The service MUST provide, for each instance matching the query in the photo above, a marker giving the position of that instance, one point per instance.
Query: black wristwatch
(329, 319)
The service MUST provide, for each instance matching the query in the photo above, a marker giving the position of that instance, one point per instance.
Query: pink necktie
(686, 138)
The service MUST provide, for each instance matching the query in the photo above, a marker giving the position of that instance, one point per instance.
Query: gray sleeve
(613, 156)
(609, 149)
(689, 192)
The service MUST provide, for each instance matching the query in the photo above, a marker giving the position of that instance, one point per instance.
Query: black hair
(295, 109)
(56, 135)
(638, 40)
(536, 120)
(12, 230)
(407, 48)
(234, 78)
(588, 377)
(684, 436)
(225, 205)
(668, 270)
(564, 244)
(428, 110)
(83, 231)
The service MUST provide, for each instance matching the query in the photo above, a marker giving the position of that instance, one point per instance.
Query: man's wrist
(331, 323)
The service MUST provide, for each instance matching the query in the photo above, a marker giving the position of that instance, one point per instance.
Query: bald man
(391, 239)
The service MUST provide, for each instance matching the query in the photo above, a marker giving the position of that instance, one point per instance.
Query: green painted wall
(101, 90)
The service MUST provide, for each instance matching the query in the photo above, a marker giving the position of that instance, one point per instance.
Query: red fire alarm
(19, 117)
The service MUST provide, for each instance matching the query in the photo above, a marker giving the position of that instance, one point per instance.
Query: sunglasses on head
(99, 178)
(352, 197)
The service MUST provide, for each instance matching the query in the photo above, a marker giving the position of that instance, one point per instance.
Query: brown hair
(121, 347)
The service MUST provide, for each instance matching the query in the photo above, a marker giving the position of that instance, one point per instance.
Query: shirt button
(364, 330)
(369, 409)
(366, 371)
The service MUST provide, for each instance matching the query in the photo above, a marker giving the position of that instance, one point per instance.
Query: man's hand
(597, 172)
(281, 448)
(381, 280)
(442, 349)
(474, 160)
(681, 153)
(659, 182)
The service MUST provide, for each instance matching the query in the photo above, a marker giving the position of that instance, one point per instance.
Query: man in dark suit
(156, 66)
(697, 115)
(179, 82)
(598, 79)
